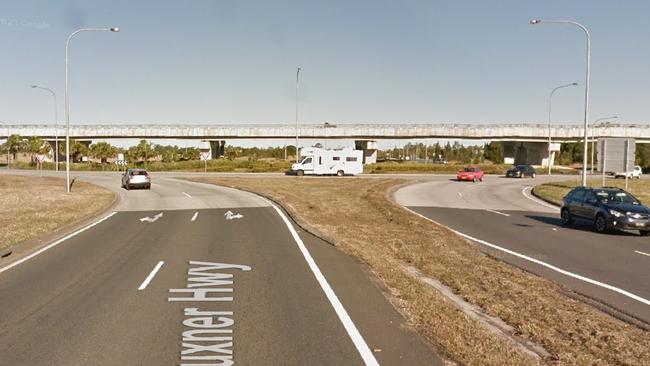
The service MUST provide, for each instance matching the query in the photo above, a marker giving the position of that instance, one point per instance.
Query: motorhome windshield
(306, 160)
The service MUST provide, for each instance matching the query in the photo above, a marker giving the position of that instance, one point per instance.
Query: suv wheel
(600, 224)
(566, 217)
(532, 175)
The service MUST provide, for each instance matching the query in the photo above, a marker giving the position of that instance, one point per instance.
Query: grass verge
(34, 206)
(554, 192)
(366, 223)
(411, 167)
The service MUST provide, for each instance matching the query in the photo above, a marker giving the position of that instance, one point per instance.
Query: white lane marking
(497, 212)
(230, 216)
(642, 253)
(349, 326)
(543, 264)
(150, 277)
(56, 243)
(537, 200)
(195, 215)
(151, 219)
(460, 195)
(187, 194)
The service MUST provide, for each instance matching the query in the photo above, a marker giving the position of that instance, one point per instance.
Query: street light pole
(56, 124)
(297, 83)
(587, 78)
(7, 128)
(593, 138)
(67, 99)
(550, 100)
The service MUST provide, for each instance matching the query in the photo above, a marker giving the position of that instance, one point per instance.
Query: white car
(136, 178)
(635, 173)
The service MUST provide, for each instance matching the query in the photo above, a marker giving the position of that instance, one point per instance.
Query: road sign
(616, 154)
(121, 162)
(205, 155)
(40, 158)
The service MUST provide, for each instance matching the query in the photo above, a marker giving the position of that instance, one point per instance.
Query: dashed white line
(497, 212)
(642, 253)
(543, 264)
(150, 277)
(353, 332)
(187, 194)
(56, 243)
(195, 215)
(460, 195)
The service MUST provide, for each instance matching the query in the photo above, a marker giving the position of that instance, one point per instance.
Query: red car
(475, 174)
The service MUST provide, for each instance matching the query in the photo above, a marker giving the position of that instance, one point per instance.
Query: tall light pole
(593, 138)
(550, 104)
(56, 124)
(587, 77)
(7, 128)
(67, 99)
(297, 83)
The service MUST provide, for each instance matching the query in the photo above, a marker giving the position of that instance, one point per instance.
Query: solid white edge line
(497, 212)
(543, 264)
(353, 332)
(642, 253)
(56, 243)
(187, 194)
(195, 215)
(150, 277)
(537, 200)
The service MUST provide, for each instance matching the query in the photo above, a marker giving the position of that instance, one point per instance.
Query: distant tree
(492, 152)
(15, 144)
(102, 151)
(77, 150)
(232, 152)
(35, 146)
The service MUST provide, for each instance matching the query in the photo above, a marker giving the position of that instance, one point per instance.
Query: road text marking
(195, 215)
(363, 349)
(213, 327)
(150, 277)
(55, 243)
(642, 253)
(187, 194)
(543, 264)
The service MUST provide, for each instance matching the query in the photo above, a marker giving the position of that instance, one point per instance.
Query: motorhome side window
(336, 158)
(351, 158)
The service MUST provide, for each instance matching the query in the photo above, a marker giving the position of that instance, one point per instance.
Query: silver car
(136, 178)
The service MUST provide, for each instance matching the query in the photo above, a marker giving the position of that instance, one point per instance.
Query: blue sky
(227, 61)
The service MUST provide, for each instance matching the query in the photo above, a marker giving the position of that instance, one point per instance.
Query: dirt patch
(365, 223)
(35, 206)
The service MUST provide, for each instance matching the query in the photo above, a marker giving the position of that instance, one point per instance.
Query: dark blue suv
(607, 208)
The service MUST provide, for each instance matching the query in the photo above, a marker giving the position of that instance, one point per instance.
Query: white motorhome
(317, 161)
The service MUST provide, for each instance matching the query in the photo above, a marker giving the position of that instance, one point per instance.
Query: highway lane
(79, 302)
(499, 212)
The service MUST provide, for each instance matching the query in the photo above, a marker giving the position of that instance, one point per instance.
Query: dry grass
(34, 206)
(554, 192)
(365, 223)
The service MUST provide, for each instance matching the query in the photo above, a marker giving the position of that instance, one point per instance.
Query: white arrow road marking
(187, 194)
(151, 219)
(150, 277)
(195, 215)
(230, 216)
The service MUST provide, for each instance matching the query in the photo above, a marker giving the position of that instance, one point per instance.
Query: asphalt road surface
(193, 274)
(611, 271)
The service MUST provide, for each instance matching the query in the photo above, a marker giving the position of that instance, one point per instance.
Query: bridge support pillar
(369, 148)
(533, 153)
(217, 148)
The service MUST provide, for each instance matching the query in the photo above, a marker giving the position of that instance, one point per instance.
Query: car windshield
(520, 167)
(471, 170)
(616, 197)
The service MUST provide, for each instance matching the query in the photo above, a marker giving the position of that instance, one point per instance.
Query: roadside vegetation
(421, 167)
(35, 206)
(363, 221)
(555, 192)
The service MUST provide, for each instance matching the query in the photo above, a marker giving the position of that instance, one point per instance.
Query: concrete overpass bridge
(522, 139)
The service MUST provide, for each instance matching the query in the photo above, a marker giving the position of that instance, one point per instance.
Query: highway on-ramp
(194, 274)
(611, 271)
